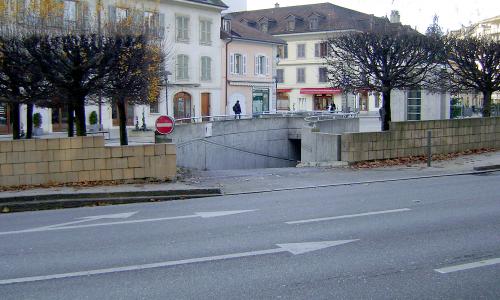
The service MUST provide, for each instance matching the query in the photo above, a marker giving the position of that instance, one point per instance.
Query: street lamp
(167, 73)
(276, 82)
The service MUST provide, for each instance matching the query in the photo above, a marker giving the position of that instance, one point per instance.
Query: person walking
(237, 110)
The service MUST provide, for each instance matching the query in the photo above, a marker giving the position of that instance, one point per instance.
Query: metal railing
(309, 116)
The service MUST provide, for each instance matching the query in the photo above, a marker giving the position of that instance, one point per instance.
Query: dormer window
(226, 25)
(264, 27)
(314, 23)
(291, 25)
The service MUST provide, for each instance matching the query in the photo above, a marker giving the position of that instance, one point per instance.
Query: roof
(244, 32)
(218, 3)
(330, 18)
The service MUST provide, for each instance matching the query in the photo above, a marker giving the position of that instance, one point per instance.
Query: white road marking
(68, 225)
(294, 248)
(350, 216)
(477, 264)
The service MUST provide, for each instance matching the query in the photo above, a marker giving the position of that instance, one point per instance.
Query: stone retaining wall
(80, 159)
(410, 139)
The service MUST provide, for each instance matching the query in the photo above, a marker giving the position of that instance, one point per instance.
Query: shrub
(37, 120)
(93, 118)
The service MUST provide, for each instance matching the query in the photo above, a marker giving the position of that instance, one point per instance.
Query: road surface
(435, 238)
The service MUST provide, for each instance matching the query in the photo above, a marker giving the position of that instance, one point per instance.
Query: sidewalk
(196, 184)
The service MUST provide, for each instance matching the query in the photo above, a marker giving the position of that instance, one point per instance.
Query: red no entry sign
(165, 125)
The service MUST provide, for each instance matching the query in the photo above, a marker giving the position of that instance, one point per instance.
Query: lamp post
(276, 83)
(167, 73)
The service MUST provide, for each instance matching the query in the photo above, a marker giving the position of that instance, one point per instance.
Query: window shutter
(186, 66)
(257, 63)
(231, 64)
(209, 32)
(268, 65)
(112, 14)
(244, 64)
(161, 31)
(209, 68)
(316, 50)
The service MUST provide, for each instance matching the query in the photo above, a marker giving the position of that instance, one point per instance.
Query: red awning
(284, 90)
(314, 91)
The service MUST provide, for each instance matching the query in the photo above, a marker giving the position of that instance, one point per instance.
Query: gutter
(227, 78)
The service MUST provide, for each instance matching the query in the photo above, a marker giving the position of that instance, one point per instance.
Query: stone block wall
(80, 159)
(410, 139)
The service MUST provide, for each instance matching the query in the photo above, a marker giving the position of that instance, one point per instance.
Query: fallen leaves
(413, 160)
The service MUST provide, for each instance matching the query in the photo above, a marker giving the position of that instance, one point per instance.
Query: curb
(57, 201)
(487, 168)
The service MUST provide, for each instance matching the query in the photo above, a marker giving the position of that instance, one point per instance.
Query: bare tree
(475, 66)
(381, 61)
(134, 75)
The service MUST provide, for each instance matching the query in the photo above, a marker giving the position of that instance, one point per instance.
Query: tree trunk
(29, 121)
(385, 112)
(71, 120)
(122, 115)
(81, 128)
(486, 104)
(15, 118)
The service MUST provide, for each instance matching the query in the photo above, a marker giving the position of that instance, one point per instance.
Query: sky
(416, 13)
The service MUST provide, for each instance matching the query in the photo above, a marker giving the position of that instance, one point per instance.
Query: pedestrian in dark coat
(237, 110)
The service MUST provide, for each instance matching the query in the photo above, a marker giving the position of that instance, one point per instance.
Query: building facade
(250, 73)
(190, 31)
(302, 72)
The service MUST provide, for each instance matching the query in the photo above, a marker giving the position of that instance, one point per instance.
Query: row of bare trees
(400, 58)
(71, 70)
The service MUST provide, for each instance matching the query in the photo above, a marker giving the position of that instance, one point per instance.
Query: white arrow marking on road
(94, 218)
(294, 248)
(70, 226)
(482, 263)
(349, 216)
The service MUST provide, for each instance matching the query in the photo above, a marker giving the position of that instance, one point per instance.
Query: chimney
(276, 5)
(395, 18)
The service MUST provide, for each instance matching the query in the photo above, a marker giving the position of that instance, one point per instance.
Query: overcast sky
(419, 13)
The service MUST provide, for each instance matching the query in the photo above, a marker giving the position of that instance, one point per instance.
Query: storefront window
(260, 102)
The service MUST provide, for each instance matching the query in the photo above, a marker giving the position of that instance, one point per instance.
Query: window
(121, 14)
(226, 25)
(264, 27)
(301, 75)
(69, 12)
(414, 105)
(320, 49)
(314, 24)
(280, 75)
(291, 25)
(154, 107)
(261, 67)
(323, 74)
(206, 68)
(205, 32)
(301, 50)
(182, 67)
(377, 99)
(182, 28)
(238, 64)
(283, 51)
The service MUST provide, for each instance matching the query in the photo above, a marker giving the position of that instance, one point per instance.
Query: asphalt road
(392, 240)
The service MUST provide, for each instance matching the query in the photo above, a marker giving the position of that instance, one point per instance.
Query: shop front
(260, 100)
(322, 97)
(4, 119)
(283, 99)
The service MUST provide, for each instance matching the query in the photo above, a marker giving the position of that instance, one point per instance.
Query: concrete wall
(80, 159)
(409, 139)
(239, 144)
(321, 144)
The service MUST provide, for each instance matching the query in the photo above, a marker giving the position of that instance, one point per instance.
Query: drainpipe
(227, 80)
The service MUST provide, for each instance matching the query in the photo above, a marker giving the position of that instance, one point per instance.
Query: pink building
(250, 70)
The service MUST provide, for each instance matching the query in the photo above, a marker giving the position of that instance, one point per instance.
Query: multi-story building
(302, 73)
(190, 30)
(488, 28)
(250, 57)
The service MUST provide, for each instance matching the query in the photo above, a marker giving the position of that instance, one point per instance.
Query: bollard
(429, 148)
(339, 147)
